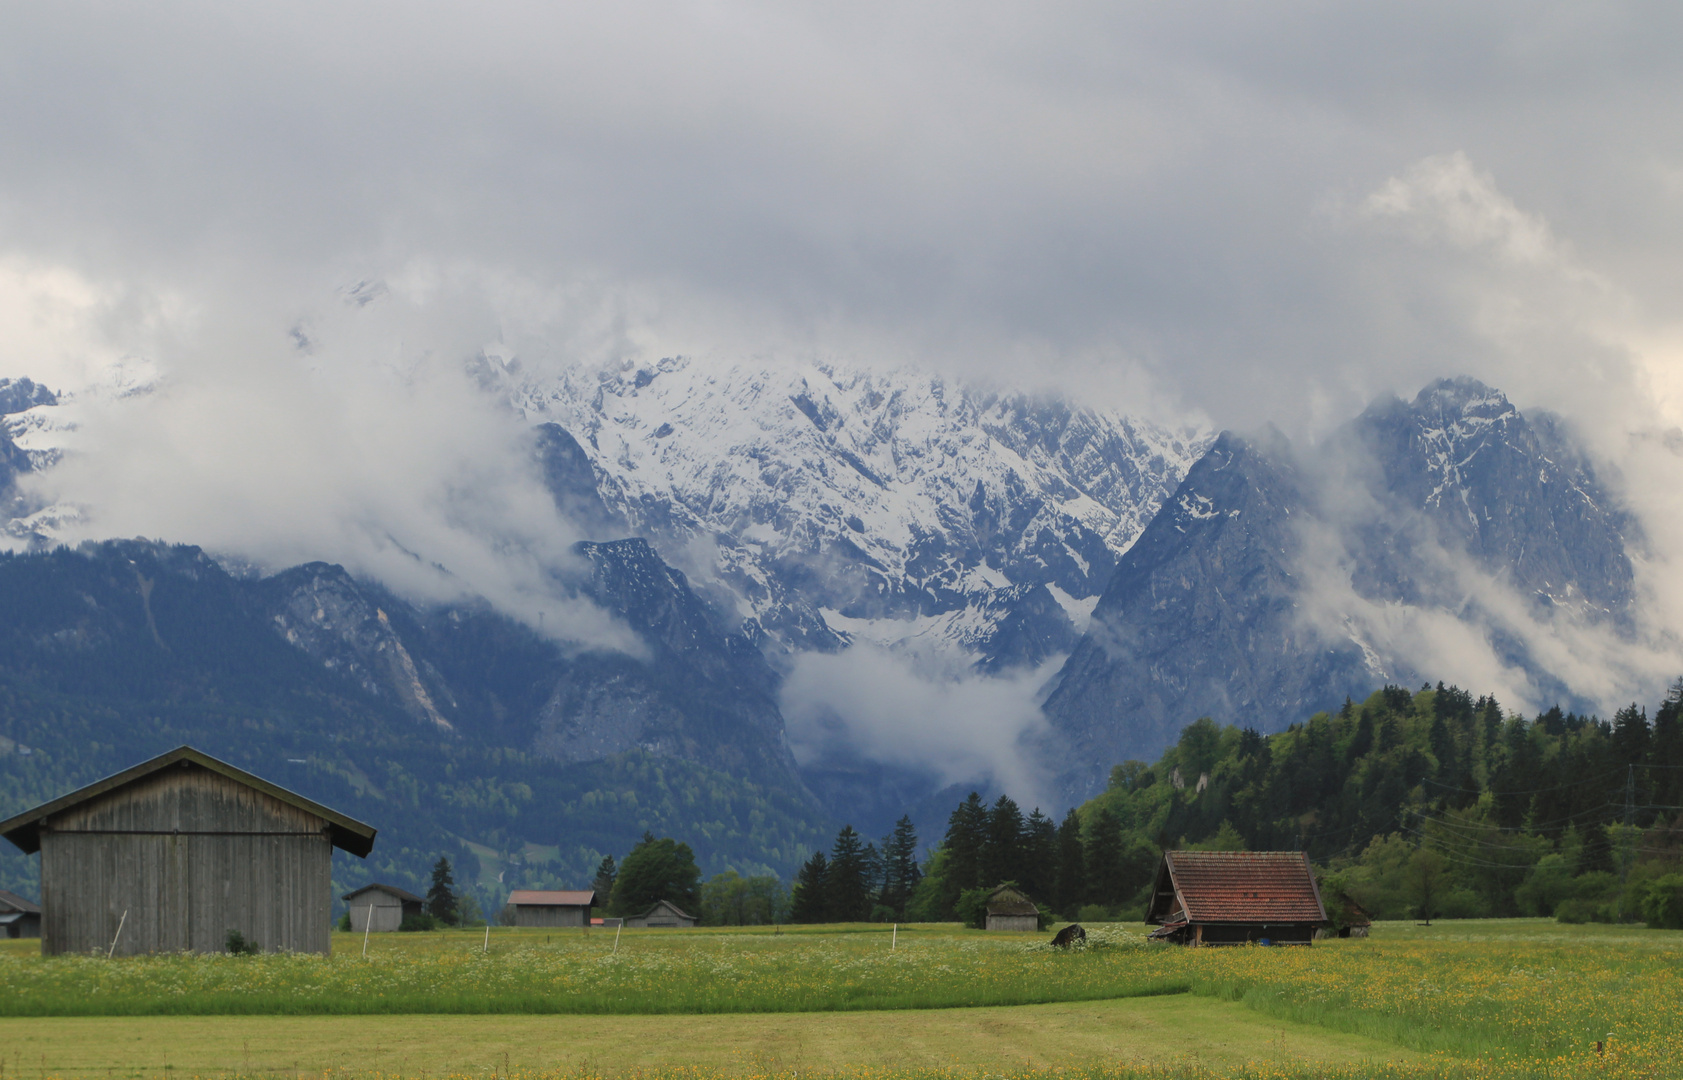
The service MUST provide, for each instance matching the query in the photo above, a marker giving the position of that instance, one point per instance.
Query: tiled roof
(542, 898)
(1245, 886)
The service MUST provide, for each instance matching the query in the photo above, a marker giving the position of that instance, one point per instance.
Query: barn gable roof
(11, 902)
(1271, 887)
(402, 894)
(669, 906)
(347, 833)
(1008, 901)
(552, 897)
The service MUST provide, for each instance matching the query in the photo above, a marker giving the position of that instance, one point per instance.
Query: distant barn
(557, 907)
(18, 917)
(1234, 897)
(1009, 909)
(178, 851)
(663, 913)
(381, 908)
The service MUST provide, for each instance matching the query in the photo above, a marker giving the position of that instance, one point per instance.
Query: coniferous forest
(1431, 804)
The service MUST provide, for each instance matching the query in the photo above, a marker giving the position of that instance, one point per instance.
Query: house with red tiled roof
(1235, 897)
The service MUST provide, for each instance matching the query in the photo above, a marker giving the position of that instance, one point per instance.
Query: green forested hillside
(1422, 804)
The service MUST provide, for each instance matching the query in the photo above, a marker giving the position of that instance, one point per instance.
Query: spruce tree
(967, 830)
(1002, 850)
(849, 891)
(900, 869)
(441, 896)
(811, 900)
(1071, 890)
(606, 871)
(1104, 860)
(1039, 875)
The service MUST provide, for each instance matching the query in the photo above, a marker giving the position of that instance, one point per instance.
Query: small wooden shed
(179, 850)
(663, 913)
(1234, 897)
(381, 908)
(554, 907)
(18, 917)
(1009, 909)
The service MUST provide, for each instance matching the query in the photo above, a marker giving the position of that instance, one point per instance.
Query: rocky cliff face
(1222, 608)
(828, 505)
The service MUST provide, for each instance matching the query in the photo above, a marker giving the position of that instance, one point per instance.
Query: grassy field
(1491, 998)
(1150, 1031)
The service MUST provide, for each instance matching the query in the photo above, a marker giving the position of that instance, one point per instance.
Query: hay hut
(1009, 909)
(381, 908)
(175, 852)
(1234, 897)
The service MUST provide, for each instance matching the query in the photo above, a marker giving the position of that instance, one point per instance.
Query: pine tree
(1040, 857)
(900, 869)
(1104, 860)
(849, 886)
(606, 871)
(441, 897)
(966, 834)
(1071, 890)
(810, 902)
(1002, 850)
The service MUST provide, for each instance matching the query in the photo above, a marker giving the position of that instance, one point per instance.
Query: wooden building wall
(189, 854)
(1013, 922)
(661, 916)
(550, 915)
(387, 912)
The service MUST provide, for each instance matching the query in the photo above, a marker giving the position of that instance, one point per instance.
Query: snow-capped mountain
(829, 504)
(1277, 580)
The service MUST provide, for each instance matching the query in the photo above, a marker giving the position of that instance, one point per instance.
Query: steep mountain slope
(439, 726)
(1252, 597)
(828, 504)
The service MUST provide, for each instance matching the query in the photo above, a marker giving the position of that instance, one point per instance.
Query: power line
(1522, 791)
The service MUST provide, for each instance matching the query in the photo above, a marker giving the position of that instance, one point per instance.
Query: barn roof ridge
(401, 894)
(14, 902)
(549, 897)
(675, 909)
(24, 830)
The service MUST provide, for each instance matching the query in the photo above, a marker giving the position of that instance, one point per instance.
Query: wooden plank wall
(548, 915)
(189, 854)
(388, 912)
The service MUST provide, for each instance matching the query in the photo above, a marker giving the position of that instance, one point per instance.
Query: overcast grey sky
(1253, 211)
(977, 186)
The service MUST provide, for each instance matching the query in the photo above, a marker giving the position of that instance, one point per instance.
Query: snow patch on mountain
(832, 504)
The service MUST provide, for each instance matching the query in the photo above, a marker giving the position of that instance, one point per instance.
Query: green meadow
(1493, 998)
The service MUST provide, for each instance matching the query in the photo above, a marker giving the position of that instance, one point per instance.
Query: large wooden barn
(1234, 897)
(176, 852)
